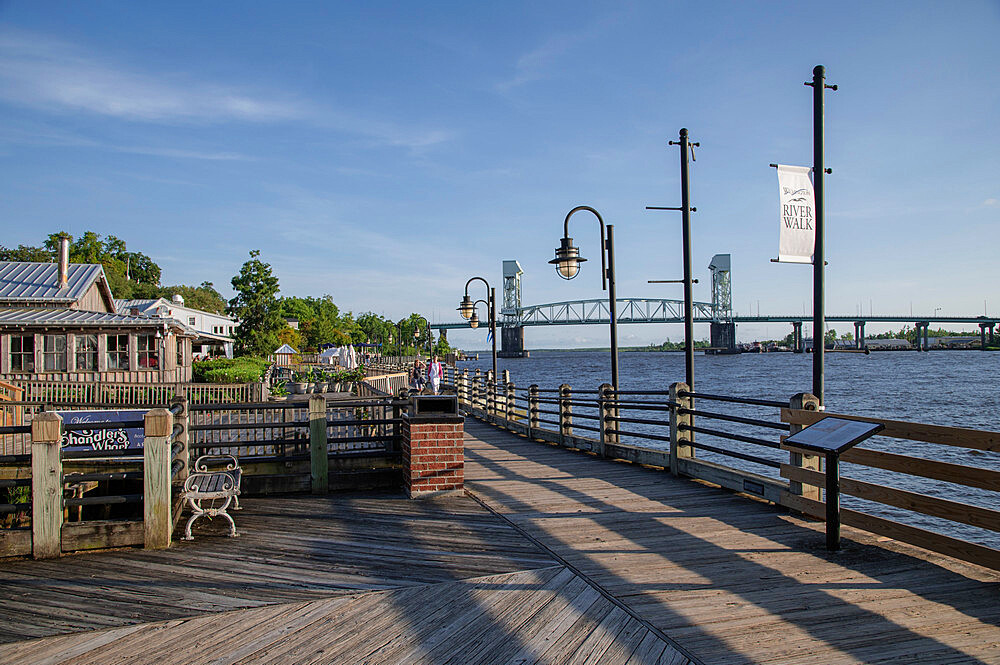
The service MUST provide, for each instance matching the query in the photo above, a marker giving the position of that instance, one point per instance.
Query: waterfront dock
(554, 557)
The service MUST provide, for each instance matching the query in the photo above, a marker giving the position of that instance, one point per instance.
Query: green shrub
(230, 370)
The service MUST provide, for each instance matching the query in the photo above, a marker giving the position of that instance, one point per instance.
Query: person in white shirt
(435, 372)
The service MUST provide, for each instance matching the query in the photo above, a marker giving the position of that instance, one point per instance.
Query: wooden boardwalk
(335, 579)
(735, 580)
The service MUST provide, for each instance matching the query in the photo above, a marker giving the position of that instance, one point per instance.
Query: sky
(383, 153)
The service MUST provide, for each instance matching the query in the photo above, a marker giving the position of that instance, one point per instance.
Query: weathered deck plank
(291, 549)
(547, 615)
(731, 579)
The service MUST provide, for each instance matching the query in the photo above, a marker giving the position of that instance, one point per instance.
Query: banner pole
(819, 315)
(686, 241)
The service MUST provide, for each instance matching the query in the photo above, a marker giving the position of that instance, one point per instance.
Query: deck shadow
(771, 569)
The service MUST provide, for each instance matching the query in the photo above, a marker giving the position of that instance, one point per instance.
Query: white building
(215, 331)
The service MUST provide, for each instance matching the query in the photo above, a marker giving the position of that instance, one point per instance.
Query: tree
(257, 308)
(203, 297)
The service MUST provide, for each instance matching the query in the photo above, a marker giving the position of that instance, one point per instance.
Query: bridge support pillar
(512, 342)
(723, 336)
(923, 344)
(797, 345)
(859, 334)
(983, 327)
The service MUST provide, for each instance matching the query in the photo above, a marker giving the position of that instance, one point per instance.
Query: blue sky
(385, 152)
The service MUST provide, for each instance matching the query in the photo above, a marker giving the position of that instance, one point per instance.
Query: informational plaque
(833, 435)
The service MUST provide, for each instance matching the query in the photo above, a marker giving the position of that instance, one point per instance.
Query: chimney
(63, 261)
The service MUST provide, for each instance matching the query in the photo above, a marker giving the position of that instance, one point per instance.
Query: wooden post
(807, 402)
(397, 432)
(604, 410)
(509, 399)
(462, 388)
(156, 524)
(477, 383)
(318, 455)
(183, 437)
(491, 395)
(532, 409)
(679, 438)
(46, 486)
(565, 412)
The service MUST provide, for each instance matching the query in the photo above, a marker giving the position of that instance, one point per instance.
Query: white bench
(211, 488)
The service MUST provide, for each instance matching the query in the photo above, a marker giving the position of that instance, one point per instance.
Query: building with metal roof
(59, 323)
(214, 331)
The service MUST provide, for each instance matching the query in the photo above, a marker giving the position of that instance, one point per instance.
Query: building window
(148, 356)
(190, 320)
(54, 353)
(180, 352)
(22, 353)
(118, 352)
(86, 353)
(230, 331)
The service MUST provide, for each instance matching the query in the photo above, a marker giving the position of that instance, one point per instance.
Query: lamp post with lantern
(467, 309)
(567, 263)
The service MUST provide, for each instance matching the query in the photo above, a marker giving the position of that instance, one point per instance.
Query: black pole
(819, 293)
(832, 501)
(686, 240)
(612, 305)
(493, 329)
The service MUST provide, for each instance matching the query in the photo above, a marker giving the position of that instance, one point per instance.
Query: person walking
(418, 377)
(435, 372)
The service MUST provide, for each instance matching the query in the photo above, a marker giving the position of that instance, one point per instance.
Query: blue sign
(115, 439)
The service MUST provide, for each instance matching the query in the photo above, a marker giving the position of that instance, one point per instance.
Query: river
(959, 388)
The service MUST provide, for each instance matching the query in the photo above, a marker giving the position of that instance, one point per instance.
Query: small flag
(489, 336)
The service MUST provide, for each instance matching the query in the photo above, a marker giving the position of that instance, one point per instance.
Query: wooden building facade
(58, 322)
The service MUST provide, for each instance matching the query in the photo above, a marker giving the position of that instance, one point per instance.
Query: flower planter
(296, 388)
(321, 387)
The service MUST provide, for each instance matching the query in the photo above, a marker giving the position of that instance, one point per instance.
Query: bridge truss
(630, 310)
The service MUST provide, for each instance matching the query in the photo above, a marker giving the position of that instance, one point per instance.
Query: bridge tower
(511, 334)
(723, 336)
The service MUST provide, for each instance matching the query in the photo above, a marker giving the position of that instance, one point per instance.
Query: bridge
(718, 313)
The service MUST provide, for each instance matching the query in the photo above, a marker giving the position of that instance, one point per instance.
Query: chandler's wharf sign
(797, 239)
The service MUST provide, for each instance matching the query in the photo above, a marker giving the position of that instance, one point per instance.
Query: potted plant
(319, 377)
(297, 385)
(278, 392)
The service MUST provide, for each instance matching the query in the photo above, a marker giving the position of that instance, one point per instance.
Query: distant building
(59, 322)
(888, 344)
(214, 331)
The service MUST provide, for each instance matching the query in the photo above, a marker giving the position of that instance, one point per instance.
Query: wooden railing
(384, 384)
(727, 441)
(58, 392)
(301, 446)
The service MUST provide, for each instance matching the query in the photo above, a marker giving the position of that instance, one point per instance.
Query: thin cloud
(57, 77)
(46, 137)
(991, 203)
(54, 76)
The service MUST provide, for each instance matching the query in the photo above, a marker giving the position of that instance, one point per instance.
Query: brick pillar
(433, 454)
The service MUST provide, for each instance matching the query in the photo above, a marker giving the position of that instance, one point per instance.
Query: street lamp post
(467, 308)
(567, 263)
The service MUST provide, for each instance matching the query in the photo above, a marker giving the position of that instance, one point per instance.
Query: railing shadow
(810, 608)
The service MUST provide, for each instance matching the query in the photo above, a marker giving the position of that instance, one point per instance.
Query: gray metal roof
(22, 282)
(141, 304)
(74, 318)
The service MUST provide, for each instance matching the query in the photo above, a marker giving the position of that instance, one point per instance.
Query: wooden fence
(101, 498)
(59, 392)
(665, 429)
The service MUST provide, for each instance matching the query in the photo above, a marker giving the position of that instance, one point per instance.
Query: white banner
(797, 240)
